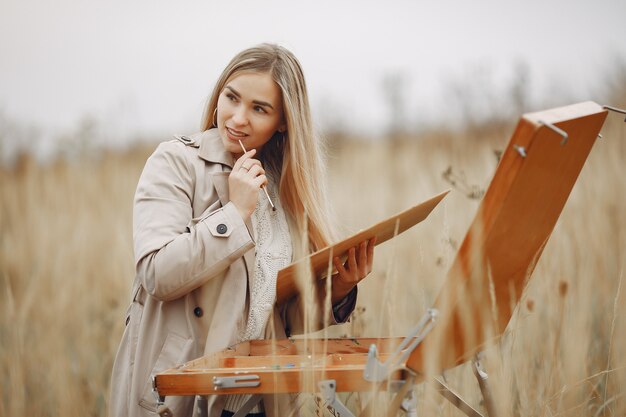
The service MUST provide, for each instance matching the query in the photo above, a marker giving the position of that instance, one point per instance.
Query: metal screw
(520, 150)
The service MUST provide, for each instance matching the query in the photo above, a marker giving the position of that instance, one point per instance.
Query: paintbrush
(263, 186)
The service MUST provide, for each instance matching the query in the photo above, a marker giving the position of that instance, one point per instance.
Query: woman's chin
(231, 145)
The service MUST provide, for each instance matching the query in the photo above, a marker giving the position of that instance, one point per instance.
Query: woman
(208, 244)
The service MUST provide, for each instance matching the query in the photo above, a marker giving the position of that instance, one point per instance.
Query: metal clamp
(242, 381)
(556, 130)
(331, 402)
(479, 371)
(376, 371)
(409, 404)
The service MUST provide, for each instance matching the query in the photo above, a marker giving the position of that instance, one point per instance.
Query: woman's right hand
(244, 182)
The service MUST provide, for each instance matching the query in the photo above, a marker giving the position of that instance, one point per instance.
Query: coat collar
(211, 147)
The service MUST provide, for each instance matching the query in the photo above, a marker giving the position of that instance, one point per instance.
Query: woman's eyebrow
(258, 102)
(232, 90)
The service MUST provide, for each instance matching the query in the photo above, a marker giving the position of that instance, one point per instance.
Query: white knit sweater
(273, 253)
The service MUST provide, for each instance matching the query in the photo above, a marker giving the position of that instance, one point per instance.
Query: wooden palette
(514, 221)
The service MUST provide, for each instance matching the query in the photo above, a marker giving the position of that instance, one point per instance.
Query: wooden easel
(533, 180)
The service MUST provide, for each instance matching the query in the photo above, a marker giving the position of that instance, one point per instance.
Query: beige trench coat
(194, 255)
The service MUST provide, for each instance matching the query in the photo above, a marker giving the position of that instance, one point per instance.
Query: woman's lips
(235, 134)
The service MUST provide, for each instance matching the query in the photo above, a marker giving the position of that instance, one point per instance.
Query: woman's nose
(239, 116)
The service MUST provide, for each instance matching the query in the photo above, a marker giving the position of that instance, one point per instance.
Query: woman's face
(249, 109)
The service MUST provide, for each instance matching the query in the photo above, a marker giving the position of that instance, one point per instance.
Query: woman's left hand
(356, 267)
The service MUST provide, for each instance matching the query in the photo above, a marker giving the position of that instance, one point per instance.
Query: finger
(361, 262)
(352, 260)
(339, 265)
(362, 254)
(255, 171)
(260, 181)
(243, 158)
(251, 162)
(370, 253)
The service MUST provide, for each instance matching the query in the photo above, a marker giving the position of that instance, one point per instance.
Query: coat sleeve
(293, 313)
(175, 253)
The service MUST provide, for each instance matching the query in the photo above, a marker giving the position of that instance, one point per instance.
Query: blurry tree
(82, 140)
(615, 89)
(472, 97)
(16, 140)
(485, 108)
(5, 133)
(332, 121)
(395, 86)
(519, 89)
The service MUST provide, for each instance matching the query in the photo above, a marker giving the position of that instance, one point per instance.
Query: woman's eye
(231, 97)
(259, 109)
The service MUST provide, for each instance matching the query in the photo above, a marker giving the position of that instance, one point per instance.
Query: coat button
(221, 228)
(198, 312)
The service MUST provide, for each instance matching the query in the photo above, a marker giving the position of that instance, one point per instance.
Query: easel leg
(201, 406)
(369, 407)
(454, 398)
(481, 376)
(409, 404)
(458, 402)
(400, 400)
(162, 409)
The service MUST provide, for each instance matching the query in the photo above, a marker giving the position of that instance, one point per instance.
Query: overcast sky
(147, 66)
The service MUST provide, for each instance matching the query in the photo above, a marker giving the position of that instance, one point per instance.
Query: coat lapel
(211, 148)
(220, 182)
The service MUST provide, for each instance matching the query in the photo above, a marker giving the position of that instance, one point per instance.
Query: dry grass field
(66, 267)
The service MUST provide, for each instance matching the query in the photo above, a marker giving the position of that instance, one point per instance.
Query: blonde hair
(296, 154)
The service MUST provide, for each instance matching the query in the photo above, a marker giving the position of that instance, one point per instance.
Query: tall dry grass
(66, 269)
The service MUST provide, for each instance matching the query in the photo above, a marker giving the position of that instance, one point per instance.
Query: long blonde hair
(296, 154)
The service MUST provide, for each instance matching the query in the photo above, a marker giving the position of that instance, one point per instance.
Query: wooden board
(510, 230)
(286, 284)
(283, 366)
